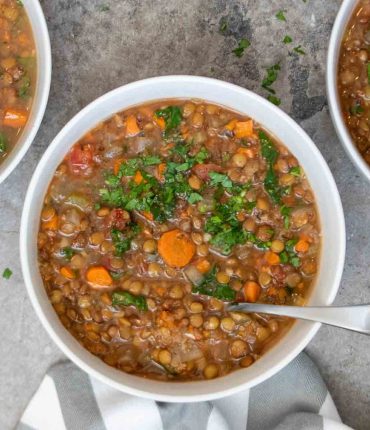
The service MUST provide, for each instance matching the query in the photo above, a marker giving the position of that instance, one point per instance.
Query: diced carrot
(99, 276)
(132, 129)
(176, 248)
(246, 151)
(138, 178)
(203, 266)
(148, 215)
(15, 118)
(117, 165)
(243, 129)
(306, 237)
(302, 246)
(160, 122)
(272, 291)
(51, 224)
(231, 125)
(161, 168)
(251, 291)
(161, 291)
(272, 258)
(67, 272)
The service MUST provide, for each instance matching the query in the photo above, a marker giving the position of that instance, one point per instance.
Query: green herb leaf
(3, 143)
(124, 298)
(151, 160)
(273, 99)
(7, 273)
(223, 25)
(280, 15)
(295, 171)
(25, 86)
(104, 8)
(298, 49)
(356, 109)
(67, 252)
(242, 45)
(194, 198)
(122, 239)
(172, 116)
(285, 213)
(287, 39)
(220, 178)
(210, 287)
(270, 78)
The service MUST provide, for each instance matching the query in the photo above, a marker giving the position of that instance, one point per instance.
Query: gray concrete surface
(97, 48)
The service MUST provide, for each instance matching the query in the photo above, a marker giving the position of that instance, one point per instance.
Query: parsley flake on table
(298, 49)
(224, 26)
(273, 99)
(280, 15)
(242, 45)
(287, 39)
(7, 273)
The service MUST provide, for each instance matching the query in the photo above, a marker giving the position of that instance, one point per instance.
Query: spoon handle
(356, 317)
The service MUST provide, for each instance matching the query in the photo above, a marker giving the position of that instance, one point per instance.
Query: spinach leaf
(124, 298)
(172, 116)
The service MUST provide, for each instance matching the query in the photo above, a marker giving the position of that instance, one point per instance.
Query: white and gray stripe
(294, 399)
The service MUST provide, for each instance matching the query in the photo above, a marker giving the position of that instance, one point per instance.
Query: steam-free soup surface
(159, 216)
(17, 73)
(354, 78)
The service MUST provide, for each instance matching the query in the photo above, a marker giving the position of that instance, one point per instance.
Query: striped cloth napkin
(294, 399)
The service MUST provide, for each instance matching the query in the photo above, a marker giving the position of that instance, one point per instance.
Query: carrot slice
(15, 118)
(51, 224)
(231, 125)
(160, 122)
(161, 168)
(99, 276)
(302, 246)
(67, 272)
(246, 151)
(176, 248)
(251, 291)
(138, 178)
(272, 258)
(148, 215)
(132, 129)
(243, 129)
(117, 164)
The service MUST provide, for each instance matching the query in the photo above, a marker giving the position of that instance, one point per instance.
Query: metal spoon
(355, 318)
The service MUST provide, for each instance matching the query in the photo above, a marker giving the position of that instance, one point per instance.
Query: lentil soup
(354, 78)
(159, 216)
(17, 73)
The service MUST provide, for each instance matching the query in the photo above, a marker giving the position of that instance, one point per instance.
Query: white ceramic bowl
(280, 125)
(344, 15)
(43, 53)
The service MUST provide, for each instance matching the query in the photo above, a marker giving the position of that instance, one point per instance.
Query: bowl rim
(43, 80)
(25, 245)
(340, 25)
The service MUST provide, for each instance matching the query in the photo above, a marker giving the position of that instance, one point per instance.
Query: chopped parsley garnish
(298, 49)
(280, 15)
(273, 99)
(270, 78)
(7, 273)
(287, 39)
(356, 109)
(194, 198)
(242, 45)
(220, 178)
(67, 252)
(368, 72)
(285, 213)
(172, 116)
(295, 171)
(209, 286)
(122, 239)
(223, 25)
(3, 142)
(124, 298)
(24, 88)
(270, 154)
